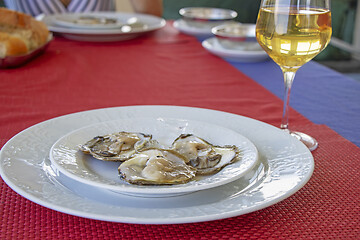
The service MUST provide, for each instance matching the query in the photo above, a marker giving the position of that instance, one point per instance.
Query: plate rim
(188, 219)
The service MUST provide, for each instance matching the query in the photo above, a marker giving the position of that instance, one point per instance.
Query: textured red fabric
(172, 69)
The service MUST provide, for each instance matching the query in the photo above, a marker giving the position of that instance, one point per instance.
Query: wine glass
(292, 32)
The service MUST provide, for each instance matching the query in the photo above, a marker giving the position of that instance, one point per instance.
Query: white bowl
(235, 35)
(205, 17)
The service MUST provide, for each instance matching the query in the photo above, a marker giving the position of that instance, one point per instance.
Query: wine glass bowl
(293, 32)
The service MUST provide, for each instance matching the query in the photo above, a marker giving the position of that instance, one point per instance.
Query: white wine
(293, 36)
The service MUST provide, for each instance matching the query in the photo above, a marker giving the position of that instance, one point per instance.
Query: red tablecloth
(169, 68)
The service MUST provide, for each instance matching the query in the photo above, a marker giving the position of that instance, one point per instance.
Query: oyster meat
(205, 157)
(116, 146)
(157, 167)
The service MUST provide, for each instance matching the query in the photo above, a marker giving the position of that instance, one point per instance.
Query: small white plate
(252, 53)
(151, 23)
(199, 32)
(68, 159)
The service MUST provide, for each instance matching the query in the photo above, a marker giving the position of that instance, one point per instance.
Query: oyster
(203, 156)
(117, 146)
(156, 167)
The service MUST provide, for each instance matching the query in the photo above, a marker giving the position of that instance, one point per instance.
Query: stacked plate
(102, 26)
(43, 163)
(220, 34)
(198, 21)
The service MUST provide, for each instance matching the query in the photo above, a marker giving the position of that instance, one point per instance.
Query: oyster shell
(156, 167)
(203, 156)
(117, 146)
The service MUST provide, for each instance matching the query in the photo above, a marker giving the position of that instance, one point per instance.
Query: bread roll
(20, 33)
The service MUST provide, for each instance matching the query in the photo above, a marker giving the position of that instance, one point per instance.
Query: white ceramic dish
(151, 23)
(205, 17)
(207, 14)
(82, 21)
(68, 159)
(235, 35)
(285, 166)
(252, 51)
(199, 32)
(237, 32)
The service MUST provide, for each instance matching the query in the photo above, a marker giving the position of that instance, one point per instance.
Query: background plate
(201, 33)
(71, 21)
(105, 35)
(234, 55)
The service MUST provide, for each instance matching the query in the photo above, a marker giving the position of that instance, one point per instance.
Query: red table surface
(169, 68)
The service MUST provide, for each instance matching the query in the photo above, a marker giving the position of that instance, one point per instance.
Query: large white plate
(257, 54)
(285, 165)
(68, 159)
(152, 23)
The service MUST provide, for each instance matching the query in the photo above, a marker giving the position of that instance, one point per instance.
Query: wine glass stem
(288, 80)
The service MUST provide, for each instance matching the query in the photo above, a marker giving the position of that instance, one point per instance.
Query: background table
(169, 68)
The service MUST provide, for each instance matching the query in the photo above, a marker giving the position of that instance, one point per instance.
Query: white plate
(74, 21)
(152, 23)
(68, 159)
(285, 165)
(256, 54)
(199, 32)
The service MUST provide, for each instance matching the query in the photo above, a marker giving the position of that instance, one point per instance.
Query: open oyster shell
(117, 146)
(156, 167)
(205, 157)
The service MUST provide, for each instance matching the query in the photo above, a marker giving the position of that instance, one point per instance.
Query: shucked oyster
(116, 146)
(158, 167)
(203, 156)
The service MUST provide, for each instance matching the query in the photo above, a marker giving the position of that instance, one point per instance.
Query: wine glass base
(309, 141)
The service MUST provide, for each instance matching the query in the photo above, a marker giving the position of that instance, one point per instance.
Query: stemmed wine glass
(293, 32)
